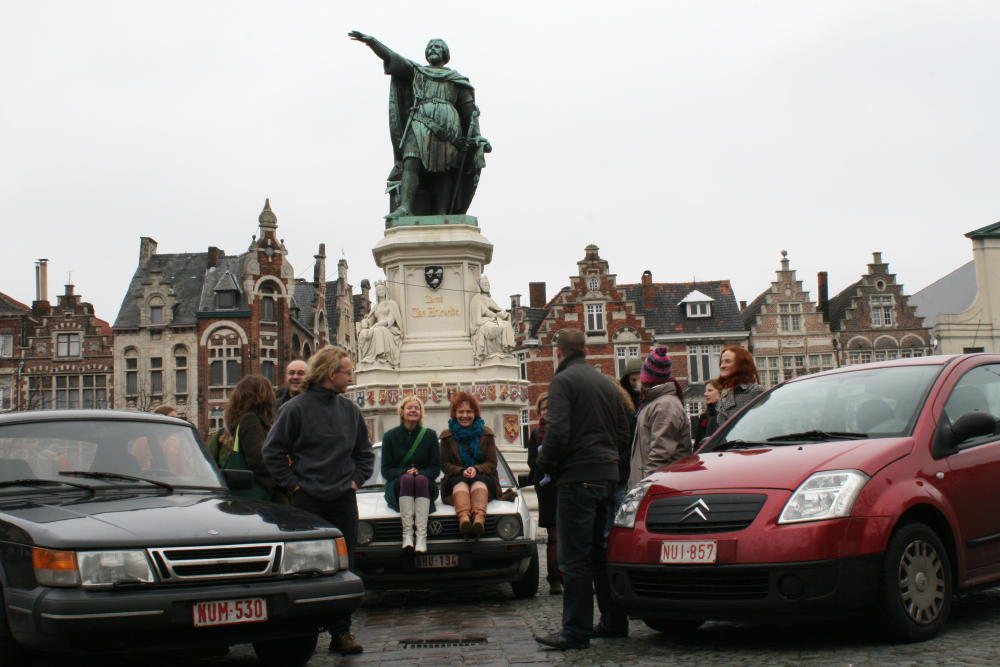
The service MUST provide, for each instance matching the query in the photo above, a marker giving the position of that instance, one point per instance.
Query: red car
(866, 489)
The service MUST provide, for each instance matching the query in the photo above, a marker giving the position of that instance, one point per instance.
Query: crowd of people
(309, 446)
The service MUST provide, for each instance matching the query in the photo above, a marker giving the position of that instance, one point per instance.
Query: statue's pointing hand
(359, 36)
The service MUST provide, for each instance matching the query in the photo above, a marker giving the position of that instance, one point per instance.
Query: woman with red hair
(469, 462)
(737, 381)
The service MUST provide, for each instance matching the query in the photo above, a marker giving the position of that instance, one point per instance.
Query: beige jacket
(662, 432)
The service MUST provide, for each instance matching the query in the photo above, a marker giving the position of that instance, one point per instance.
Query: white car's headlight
(625, 517)
(508, 527)
(366, 532)
(317, 556)
(825, 495)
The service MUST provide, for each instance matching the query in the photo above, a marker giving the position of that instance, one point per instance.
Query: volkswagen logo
(698, 508)
(435, 527)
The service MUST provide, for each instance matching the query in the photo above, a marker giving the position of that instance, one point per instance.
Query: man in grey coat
(318, 451)
(585, 426)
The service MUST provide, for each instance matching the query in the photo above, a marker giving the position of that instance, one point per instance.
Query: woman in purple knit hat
(663, 430)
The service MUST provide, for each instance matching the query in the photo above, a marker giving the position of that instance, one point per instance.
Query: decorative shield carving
(433, 275)
(511, 427)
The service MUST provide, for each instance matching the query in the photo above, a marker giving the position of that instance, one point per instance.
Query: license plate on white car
(435, 561)
(688, 552)
(229, 612)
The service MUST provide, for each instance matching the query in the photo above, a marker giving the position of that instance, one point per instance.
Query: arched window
(267, 309)
(224, 358)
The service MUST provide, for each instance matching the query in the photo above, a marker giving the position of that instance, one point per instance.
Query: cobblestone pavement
(507, 626)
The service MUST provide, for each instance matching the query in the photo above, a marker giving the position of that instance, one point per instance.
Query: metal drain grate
(442, 642)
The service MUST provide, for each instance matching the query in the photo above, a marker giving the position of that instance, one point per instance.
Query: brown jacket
(451, 461)
(662, 434)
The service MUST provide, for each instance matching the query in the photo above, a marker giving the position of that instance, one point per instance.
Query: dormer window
(227, 292)
(225, 300)
(697, 304)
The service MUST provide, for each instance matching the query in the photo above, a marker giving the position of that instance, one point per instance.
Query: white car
(505, 552)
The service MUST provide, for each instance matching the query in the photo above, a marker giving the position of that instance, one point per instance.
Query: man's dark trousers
(582, 515)
(342, 513)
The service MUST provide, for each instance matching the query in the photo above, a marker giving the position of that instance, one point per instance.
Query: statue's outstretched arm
(380, 49)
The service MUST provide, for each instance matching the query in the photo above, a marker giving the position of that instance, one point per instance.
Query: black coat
(585, 427)
(547, 495)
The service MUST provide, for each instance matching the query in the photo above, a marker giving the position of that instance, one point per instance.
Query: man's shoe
(601, 630)
(555, 588)
(345, 644)
(560, 641)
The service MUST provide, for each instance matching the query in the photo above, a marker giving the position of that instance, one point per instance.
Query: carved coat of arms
(433, 275)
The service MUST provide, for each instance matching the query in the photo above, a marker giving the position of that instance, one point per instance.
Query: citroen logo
(695, 509)
(435, 527)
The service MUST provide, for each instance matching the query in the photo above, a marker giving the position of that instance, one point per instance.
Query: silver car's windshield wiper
(45, 482)
(94, 474)
(819, 436)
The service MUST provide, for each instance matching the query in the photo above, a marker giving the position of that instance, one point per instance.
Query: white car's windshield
(866, 403)
(104, 453)
(376, 481)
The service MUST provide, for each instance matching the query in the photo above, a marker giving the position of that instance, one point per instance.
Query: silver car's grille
(217, 562)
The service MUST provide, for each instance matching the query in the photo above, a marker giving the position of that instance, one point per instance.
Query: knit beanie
(656, 368)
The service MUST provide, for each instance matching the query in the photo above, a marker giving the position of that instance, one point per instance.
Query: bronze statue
(434, 126)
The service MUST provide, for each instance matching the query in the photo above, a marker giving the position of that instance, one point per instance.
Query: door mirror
(972, 425)
(523, 480)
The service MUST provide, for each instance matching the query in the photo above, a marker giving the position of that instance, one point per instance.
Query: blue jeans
(582, 514)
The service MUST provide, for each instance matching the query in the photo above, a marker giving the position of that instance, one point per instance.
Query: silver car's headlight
(317, 556)
(825, 495)
(509, 526)
(107, 568)
(627, 511)
(366, 532)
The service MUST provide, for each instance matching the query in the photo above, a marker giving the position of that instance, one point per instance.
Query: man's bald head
(295, 373)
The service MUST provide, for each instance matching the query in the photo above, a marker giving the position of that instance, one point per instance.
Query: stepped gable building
(695, 320)
(59, 356)
(192, 324)
(15, 325)
(872, 319)
(788, 334)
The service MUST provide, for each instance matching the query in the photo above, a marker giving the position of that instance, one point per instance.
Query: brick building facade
(788, 333)
(192, 324)
(54, 356)
(872, 319)
(695, 320)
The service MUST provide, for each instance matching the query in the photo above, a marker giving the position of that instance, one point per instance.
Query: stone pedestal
(436, 357)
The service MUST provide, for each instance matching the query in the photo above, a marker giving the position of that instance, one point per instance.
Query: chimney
(743, 305)
(42, 280)
(214, 255)
(147, 248)
(536, 295)
(824, 295)
(876, 258)
(366, 297)
(515, 301)
(319, 266)
(648, 294)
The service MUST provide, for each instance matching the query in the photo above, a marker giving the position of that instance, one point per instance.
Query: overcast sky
(693, 139)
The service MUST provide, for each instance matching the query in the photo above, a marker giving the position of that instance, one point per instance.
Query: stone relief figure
(380, 333)
(434, 127)
(492, 333)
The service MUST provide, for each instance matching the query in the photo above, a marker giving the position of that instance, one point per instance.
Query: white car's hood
(372, 505)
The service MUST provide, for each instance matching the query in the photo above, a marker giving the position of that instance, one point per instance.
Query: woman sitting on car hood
(410, 466)
(469, 460)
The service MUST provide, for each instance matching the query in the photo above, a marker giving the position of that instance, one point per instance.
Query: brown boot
(460, 499)
(480, 497)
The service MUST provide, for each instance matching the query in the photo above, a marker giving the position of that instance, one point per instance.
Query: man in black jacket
(586, 422)
(318, 451)
(295, 377)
